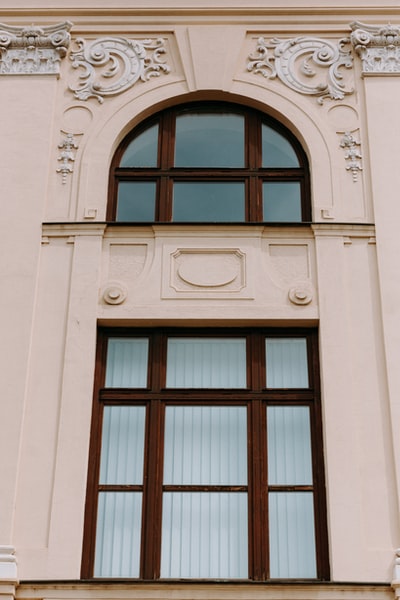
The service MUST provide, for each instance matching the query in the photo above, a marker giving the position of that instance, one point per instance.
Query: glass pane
(118, 534)
(282, 201)
(286, 363)
(205, 445)
(142, 151)
(208, 201)
(292, 539)
(136, 201)
(209, 140)
(206, 363)
(122, 445)
(204, 535)
(127, 362)
(289, 445)
(277, 151)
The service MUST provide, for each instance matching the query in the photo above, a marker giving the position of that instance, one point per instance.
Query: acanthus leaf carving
(33, 50)
(124, 62)
(295, 59)
(378, 46)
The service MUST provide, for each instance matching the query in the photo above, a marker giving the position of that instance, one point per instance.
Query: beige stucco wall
(60, 260)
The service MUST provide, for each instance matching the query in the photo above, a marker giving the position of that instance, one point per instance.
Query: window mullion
(152, 500)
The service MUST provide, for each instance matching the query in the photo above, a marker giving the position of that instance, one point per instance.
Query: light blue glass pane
(209, 140)
(287, 365)
(122, 445)
(291, 535)
(277, 151)
(142, 151)
(208, 201)
(205, 445)
(206, 363)
(136, 201)
(289, 445)
(204, 535)
(119, 518)
(127, 363)
(282, 201)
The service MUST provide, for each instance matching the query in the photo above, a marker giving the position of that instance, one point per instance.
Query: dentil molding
(296, 60)
(111, 65)
(33, 50)
(378, 46)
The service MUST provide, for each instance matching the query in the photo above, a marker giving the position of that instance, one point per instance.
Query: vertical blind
(205, 511)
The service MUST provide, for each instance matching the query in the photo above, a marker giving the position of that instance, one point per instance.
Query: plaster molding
(8, 564)
(67, 156)
(33, 50)
(378, 46)
(124, 62)
(114, 293)
(301, 293)
(352, 154)
(296, 59)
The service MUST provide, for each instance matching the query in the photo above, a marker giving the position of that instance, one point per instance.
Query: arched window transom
(209, 163)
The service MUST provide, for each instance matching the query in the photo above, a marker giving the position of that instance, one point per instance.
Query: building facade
(201, 300)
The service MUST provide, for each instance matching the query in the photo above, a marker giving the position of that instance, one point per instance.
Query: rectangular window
(206, 457)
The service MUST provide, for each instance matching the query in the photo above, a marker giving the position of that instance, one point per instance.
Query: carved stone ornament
(301, 293)
(67, 156)
(378, 47)
(352, 155)
(114, 293)
(294, 60)
(124, 62)
(33, 50)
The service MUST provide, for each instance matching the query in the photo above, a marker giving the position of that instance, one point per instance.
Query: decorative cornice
(125, 62)
(295, 59)
(378, 46)
(33, 50)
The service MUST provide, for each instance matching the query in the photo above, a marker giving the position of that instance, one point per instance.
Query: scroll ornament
(294, 60)
(121, 61)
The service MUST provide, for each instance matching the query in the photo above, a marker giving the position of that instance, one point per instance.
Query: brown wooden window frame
(252, 174)
(256, 396)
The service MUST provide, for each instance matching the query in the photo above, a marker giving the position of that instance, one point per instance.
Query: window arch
(212, 163)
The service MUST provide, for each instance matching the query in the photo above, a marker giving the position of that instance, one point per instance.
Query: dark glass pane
(208, 201)
(209, 140)
(142, 151)
(277, 151)
(282, 201)
(136, 201)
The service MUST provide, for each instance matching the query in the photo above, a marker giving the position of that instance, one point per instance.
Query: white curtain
(118, 534)
(205, 445)
(204, 534)
(289, 445)
(291, 535)
(286, 362)
(127, 362)
(206, 363)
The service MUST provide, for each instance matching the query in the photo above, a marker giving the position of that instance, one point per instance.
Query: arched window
(211, 163)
